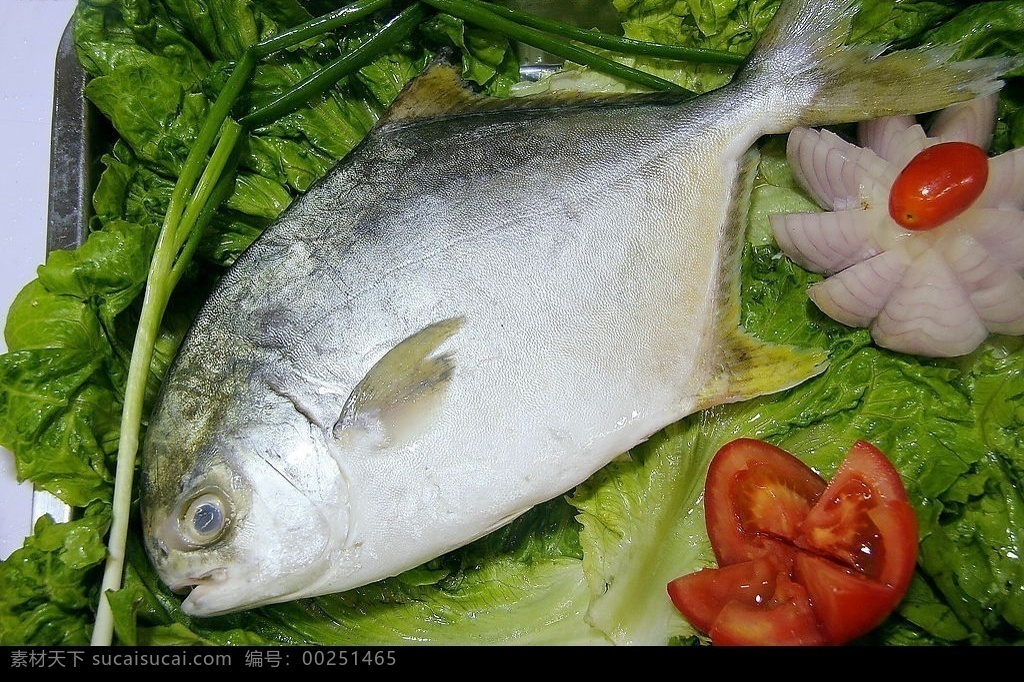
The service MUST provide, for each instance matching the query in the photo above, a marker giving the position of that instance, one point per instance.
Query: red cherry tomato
(938, 184)
(799, 562)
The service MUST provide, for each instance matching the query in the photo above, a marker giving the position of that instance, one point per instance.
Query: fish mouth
(190, 585)
(209, 594)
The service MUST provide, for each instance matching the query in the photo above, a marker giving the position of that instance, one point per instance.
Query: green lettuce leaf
(587, 569)
(50, 583)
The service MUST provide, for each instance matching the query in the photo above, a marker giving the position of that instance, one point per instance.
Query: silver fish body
(469, 315)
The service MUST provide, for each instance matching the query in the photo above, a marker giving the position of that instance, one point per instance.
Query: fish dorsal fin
(440, 91)
(400, 390)
(744, 367)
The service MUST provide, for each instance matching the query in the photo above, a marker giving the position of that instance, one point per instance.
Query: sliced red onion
(837, 174)
(903, 145)
(995, 290)
(935, 293)
(886, 135)
(857, 295)
(1005, 187)
(972, 121)
(827, 242)
(1001, 306)
(998, 233)
(807, 158)
(930, 313)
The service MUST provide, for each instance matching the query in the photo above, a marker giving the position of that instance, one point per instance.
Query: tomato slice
(847, 603)
(862, 517)
(702, 595)
(799, 561)
(756, 495)
(786, 619)
(938, 184)
(749, 603)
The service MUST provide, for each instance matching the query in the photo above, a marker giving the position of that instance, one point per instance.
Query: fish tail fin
(803, 61)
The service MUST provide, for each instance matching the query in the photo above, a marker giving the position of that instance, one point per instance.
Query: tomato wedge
(800, 562)
(753, 602)
(756, 495)
(938, 184)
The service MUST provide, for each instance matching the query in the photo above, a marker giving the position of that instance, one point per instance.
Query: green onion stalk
(595, 38)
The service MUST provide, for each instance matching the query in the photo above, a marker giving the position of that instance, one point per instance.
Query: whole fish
(478, 308)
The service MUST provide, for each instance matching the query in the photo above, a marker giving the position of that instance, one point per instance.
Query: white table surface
(29, 33)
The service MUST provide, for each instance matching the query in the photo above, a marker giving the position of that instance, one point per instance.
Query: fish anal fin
(745, 367)
(401, 390)
(741, 366)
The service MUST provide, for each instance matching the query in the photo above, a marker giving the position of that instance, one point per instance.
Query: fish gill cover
(586, 568)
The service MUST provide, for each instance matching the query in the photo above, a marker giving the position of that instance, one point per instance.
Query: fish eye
(205, 518)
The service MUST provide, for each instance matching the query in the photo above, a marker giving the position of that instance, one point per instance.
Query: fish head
(254, 515)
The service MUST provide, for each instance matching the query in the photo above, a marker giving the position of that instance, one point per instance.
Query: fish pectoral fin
(401, 390)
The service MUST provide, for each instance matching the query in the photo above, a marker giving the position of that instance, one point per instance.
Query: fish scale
(479, 307)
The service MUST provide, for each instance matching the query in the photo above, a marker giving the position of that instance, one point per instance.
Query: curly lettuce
(589, 568)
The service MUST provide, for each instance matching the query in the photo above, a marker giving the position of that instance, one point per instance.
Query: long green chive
(319, 26)
(394, 31)
(480, 15)
(613, 42)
